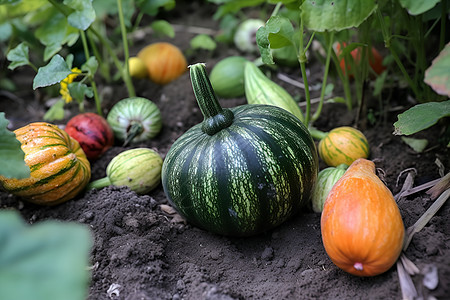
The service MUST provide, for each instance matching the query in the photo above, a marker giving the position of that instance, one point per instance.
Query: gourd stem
(99, 183)
(135, 129)
(215, 117)
(317, 134)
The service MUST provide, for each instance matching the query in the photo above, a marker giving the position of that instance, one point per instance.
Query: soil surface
(142, 251)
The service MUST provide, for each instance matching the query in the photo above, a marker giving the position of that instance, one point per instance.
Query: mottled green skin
(246, 178)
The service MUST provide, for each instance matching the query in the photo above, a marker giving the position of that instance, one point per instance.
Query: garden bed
(143, 251)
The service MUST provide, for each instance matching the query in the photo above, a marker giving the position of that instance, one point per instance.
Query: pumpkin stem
(358, 266)
(215, 117)
(134, 130)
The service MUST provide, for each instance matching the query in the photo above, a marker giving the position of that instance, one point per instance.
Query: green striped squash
(242, 171)
(259, 89)
(325, 182)
(59, 168)
(135, 120)
(139, 169)
(343, 145)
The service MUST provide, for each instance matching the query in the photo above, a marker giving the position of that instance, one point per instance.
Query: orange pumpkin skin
(362, 228)
(164, 62)
(59, 168)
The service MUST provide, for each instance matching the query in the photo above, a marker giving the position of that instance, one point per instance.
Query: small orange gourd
(165, 62)
(59, 167)
(362, 228)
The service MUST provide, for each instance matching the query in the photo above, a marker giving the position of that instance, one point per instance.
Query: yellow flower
(64, 91)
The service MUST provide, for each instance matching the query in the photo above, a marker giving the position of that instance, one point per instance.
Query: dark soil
(147, 253)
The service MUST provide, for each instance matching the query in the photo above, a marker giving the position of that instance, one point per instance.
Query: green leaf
(8, 1)
(203, 41)
(415, 7)
(18, 56)
(152, 7)
(280, 32)
(12, 164)
(421, 117)
(44, 261)
(78, 90)
(90, 66)
(55, 112)
(55, 71)
(438, 74)
(6, 30)
(84, 13)
(332, 15)
(417, 145)
(163, 28)
(234, 6)
(262, 40)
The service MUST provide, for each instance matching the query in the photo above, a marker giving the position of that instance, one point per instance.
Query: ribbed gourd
(259, 89)
(325, 182)
(59, 168)
(138, 168)
(243, 170)
(343, 145)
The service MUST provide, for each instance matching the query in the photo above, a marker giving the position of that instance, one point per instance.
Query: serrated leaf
(438, 74)
(415, 7)
(84, 13)
(18, 56)
(12, 164)
(55, 71)
(262, 40)
(332, 15)
(203, 41)
(420, 117)
(163, 28)
(44, 261)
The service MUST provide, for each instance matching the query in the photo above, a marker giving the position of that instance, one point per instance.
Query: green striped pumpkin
(139, 169)
(59, 168)
(325, 182)
(261, 90)
(343, 145)
(135, 120)
(243, 170)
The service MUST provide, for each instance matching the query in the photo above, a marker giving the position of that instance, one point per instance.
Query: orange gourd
(164, 62)
(59, 167)
(362, 229)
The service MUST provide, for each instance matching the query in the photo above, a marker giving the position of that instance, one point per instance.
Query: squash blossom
(64, 91)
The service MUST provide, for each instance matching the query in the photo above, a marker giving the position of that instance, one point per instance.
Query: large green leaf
(55, 71)
(438, 74)
(332, 15)
(421, 117)
(12, 164)
(415, 7)
(45, 261)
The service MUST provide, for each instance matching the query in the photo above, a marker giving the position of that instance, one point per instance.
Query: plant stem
(94, 86)
(330, 37)
(302, 60)
(125, 69)
(99, 183)
(387, 38)
(345, 81)
(317, 134)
